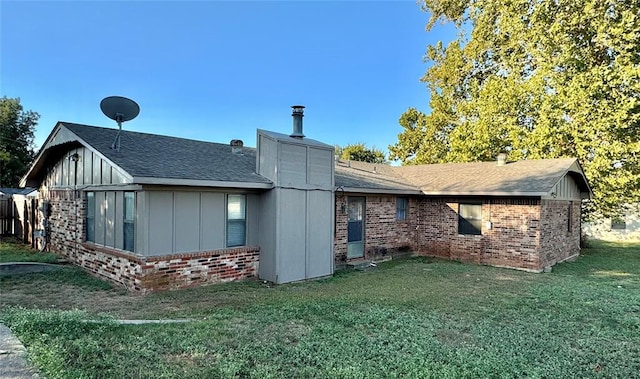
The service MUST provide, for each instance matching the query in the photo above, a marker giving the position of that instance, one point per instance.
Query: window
(236, 220)
(470, 219)
(569, 218)
(401, 208)
(90, 221)
(129, 221)
(618, 224)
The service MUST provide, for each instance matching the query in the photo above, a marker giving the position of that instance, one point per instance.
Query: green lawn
(415, 318)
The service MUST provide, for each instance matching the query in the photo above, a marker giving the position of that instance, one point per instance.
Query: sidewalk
(13, 363)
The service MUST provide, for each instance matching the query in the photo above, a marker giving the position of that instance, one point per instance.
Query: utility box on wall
(296, 231)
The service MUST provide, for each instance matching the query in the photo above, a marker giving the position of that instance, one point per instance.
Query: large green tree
(360, 152)
(537, 79)
(17, 128)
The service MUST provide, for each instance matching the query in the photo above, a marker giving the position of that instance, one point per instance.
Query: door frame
(355, 249)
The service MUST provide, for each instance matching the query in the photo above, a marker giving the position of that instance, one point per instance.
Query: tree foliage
(17, 128)
(360, 152)
(538, 79)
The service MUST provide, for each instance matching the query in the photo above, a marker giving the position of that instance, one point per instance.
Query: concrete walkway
(13, 362)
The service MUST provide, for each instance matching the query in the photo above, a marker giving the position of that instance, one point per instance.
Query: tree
(537, 79)
(17, 129)
(360, 152)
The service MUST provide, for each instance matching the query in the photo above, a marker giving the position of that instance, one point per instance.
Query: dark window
(90, 221)
(470, 219)
(401, 208)
(236, 220)
(618, 224)
(569, 218)
(129, 221)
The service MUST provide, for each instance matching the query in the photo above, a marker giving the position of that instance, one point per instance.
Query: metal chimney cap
(298, 110)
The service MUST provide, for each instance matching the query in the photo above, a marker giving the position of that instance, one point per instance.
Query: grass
(11, 251)
(418, 318)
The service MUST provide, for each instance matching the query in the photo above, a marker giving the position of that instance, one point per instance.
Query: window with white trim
(128, 224)
(236, 220)
(90, 220)
(470, 219)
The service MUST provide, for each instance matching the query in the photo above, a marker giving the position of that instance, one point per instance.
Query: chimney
(236, 146)
(502, 159)
(298, 113)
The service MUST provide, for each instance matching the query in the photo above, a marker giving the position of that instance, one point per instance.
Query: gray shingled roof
(368, 177)
(522, 178)
(155, 156)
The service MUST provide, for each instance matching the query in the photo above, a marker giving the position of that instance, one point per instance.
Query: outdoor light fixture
(74, 157)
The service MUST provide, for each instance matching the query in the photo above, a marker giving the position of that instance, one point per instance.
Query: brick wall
(559, 240)
(384, 234)
(66, 234)
(513, 239)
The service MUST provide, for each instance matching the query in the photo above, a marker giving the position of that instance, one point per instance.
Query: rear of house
(523, 215)
(161, 212)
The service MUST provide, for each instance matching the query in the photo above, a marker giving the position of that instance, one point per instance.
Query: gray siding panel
(119, 219)
(267, 157)
(87, 164)
(142, 223)
(187, 221)
(253, 236)
(100, 217)
(110, 219)
(267, 208)
(97, 170)
(320, 167)
(160, 222)
(291, 233)
(213, 223)
(319, 234)
(293, 165)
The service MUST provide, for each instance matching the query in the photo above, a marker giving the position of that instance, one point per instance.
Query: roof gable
(151, 158)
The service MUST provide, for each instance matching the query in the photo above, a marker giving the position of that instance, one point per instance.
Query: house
(625, 227)
(156, 212)
(523, 215)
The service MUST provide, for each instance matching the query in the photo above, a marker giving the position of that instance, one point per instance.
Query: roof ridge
(124, 131)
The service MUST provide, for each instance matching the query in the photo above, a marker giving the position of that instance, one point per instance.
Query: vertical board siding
(320, 167)
(187, 221)
(292, 164)
(291, 240)
(100, 217)
(110, 218)
(319, 234)
(160, 223)
(119, 220)
(213, 222)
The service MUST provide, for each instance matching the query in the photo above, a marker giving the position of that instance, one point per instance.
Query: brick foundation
(66, 234)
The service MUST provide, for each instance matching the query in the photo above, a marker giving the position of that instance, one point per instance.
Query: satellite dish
(120, 109)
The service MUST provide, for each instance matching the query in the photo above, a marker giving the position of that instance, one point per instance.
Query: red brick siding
(557, 242)
(66, 234)
(512, 241)
(384, 234)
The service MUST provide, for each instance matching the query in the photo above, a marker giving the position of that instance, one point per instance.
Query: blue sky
(216, 71)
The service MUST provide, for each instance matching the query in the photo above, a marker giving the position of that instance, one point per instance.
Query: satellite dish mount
(120, 109)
